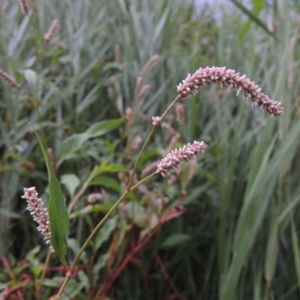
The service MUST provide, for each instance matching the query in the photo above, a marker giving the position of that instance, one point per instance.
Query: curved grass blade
(253, 18)
(57, 209)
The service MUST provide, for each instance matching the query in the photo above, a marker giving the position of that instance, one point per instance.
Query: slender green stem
(142, 181)
(174, 101)
(138, 158)
(128, 190)
(68, 276)
(145, 145)
(45, 266)
(83, 188)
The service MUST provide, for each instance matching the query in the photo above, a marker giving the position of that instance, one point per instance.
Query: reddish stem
(167, 277)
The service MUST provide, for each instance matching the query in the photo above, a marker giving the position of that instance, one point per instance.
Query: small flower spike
(156, 121)
(39, 213)
(24, 6)
(48, 36)
(229, 78)
(12, 81)
(178, 156)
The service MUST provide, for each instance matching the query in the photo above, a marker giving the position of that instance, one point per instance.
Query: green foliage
(57, 209)
(75, 142)
(232, 229)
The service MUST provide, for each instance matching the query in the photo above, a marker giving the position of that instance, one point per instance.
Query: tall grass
(239, 237)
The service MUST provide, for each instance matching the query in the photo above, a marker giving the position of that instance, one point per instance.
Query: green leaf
(101, 262)
(296, 250)
(105, 232)
(271, 253)
(137, 213)
(31, 77)
(106, 168)
(106, 182)
(176, 240)
(9, 214)
(72, 144)
(253, 17)
(57, 209)
(96, 208)
(71, 182)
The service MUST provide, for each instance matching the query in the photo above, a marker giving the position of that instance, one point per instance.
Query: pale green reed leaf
(296, 250)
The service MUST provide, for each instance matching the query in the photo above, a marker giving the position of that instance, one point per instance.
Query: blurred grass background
(239, 236)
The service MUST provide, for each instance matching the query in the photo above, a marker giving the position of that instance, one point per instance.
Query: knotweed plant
(24, 6)
(39, 213)
(226, 78)
(8, 78)
(50, 33)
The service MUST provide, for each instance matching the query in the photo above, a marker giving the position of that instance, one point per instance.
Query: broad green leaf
(59, 219)
(105, 232)
(106, 182)
(176, 240)
(57, 209)
(195, 194)
(101, 262)
(71, 182)
(72, 144)
(31, 78)
(53, 282)
(96, 208)
(107, 168)
(74, 287)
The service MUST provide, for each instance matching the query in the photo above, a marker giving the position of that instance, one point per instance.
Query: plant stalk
(68, 275)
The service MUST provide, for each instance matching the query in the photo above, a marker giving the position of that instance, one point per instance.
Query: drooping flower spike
(233, 80)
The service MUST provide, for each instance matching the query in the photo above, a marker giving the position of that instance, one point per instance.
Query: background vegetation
(230, 230)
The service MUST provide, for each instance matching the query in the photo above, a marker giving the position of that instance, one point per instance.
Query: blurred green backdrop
(238, 238)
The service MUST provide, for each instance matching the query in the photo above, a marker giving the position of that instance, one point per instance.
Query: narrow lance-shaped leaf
(58, 213)
(253, 17)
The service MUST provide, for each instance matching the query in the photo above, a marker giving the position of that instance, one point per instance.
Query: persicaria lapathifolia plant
(178, 156)
(54, 26)
(39, 213)
(24, 6)
(11, 80)
(229, 78)
(189, 86)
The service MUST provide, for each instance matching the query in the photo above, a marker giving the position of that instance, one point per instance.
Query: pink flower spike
(24, 6)
(48, 36)
(12, 81)
(39, 213)
(178, 156)
(233, 80)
